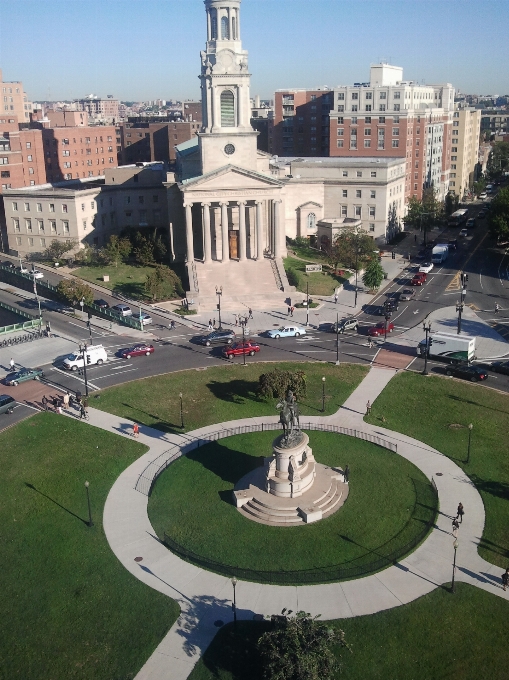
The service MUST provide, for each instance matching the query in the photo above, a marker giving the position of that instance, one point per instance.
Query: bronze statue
(289, 415)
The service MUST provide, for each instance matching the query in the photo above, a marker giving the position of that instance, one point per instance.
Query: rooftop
(336, 162)
(57, 187)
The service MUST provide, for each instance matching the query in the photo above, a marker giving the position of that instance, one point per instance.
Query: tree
(479, 186)
(498, 160)
(299, 648)
(116, 250)
(393, 224)
(56, 249)
(374, 275)
(350, 250)
(74, 291)
(163, 283)
(277, 383)
(451, 203)
(499, 216)
(144, 250)
(413, 216)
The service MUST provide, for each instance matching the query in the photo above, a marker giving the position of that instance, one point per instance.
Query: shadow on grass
(235, 651)
(475, 403)
(170, 427)
(226, 464)
(133, 290)
(70, 512)
(235, 391)
(493, 547)
(497, 489)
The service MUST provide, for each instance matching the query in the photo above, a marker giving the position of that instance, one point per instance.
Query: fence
(25, 325)
(149, 475)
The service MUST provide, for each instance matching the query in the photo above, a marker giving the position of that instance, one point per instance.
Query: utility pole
(337, 338)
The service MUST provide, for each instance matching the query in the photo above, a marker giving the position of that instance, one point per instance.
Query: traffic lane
(495, 380)
(20, 412)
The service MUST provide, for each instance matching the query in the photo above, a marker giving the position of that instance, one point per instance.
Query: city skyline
(144, 51)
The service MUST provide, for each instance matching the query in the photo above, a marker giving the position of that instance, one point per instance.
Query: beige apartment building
(87, 211)
(14, 100)
(465, 149)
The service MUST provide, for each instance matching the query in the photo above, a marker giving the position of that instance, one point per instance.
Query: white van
(96, 354)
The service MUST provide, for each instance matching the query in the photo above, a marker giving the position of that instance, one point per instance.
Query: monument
(291, 488)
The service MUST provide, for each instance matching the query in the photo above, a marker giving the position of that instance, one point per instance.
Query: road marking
(113, 374)
(73, 374)
(116, 368)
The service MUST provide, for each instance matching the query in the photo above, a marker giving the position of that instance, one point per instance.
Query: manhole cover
(138, 559)
(218, 623)
(439, 474)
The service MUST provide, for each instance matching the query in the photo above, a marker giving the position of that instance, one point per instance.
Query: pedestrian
(44, 402)
(461, 512)
(415, 238)
(505, 578)
(292, 309)
(214, 324)
(289, 310)
(66, 400)
(12, 364)
(83, 412)
(136, 430)
(172, 325)
(370, 343)
(497, 307)
(346, 474)
(250, 311)
(455, 527)
(335, 298)
(48, 329)
(368, 408)
(236, 319)
(56, 402)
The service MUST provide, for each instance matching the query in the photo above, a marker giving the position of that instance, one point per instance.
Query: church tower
(226, 136)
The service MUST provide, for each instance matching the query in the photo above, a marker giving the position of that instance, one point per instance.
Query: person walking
(335, 298)
(415, 238)
(66, 400)
(214, 323)
(292, 309)
(505, 579)
(136, 430)
(368, 408)
(44, 402)
(461, 512)
(370, 343)
(289, 310)
(346, 474)
(497, 307)
(12, 364)
(236, 319)
(250, 313)
(455, 527)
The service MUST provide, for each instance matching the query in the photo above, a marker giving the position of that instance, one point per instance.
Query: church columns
(259, 230)
(277, 229)
(224, 232)
(189, 232)
(242, 231)
(207, 246)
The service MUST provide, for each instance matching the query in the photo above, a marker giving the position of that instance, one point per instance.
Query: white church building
(232, 207)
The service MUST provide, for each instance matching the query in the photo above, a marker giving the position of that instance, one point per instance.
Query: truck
(440, 253)
(448, 347)
(458, 218)
(96, 354)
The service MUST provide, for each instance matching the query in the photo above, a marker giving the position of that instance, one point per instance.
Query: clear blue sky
(145, 49)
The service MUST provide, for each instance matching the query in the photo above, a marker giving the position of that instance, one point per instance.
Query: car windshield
(74, 357)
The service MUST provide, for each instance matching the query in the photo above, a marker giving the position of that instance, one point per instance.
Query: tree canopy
(374, 275)
(276, 383)
(74, 291)
(56, 249)
(499, 216)
(163, 283)
(116, 250)
(350, 250)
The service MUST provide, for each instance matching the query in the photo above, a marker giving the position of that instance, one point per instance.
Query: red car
(379, 329)
(240, 348)
(419, 279)
(137, 351)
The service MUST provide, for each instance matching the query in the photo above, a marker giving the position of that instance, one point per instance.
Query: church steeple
(225, 80)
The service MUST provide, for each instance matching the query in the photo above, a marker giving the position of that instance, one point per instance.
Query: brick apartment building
(21, 155)
(301, 123)
(99, 110)
(147, 142)
(14, 100)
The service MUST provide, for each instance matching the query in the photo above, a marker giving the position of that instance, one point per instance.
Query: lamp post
(337, 339)
(219, 292)
(459, 309)
(455, 546)
(307, 304)
(244, 342)
(234, 603)
(470, 428)
(89, 523)
(181, 411)
(387, 318)
(83, 350)
(356, 273)
(426, 326)
(82, 303)
(323, 394)
(421, 216)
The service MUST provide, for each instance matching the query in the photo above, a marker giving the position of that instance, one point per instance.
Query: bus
(458, 218)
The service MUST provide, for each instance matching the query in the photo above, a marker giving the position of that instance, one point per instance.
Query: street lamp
(89, 523)
(356, 273)
(244, 342)
(37, 298)
(337, 339)
(459, 309)
(470, 428)
(421, 216)
(307, 304)
(234, 603)
(82, 303)
(219, 292)
(455, 546)
(83, 350)
(426, 326)
(181, 412)
(323, 394)
(387, 318)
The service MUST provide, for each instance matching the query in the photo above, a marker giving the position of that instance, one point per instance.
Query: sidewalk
(205, 597)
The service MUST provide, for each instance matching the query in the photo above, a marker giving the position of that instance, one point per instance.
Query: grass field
(126, 279)
(438, 637)
(437, 411)
(320, 283)
(223, 393)
(357, 534)
(70, 610)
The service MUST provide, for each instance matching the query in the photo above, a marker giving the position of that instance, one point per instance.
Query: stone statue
(289, 417)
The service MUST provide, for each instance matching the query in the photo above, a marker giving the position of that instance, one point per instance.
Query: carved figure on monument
(289, 418)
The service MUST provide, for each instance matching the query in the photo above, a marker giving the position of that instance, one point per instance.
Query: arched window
(312, 221)
(227, 109)
(214, 27)
(234, 28)
(225, 32)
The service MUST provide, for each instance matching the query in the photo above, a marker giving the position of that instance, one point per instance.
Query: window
(397, 107)
(225, 31)
(453, 166)
(355, 107)
(454, 149)
(66, 152)
(52, 207)
(155, 199)
(28, 226)
(227, 109)
(395, 132)
(372, 193)
(341, 108)
(354, 120)
(367, 120)
(344, 210)
(381, 119)
(371, 227)
(454, 158)
(345, 193)
(64, 207)
(65, 226)
(312, 221)
(355, 95)
(358, 211)
(38, 207)
(353, 142)
(4, 161)
(367, 107)
(372, 211)
(29, 145)
(27, 207)
(15, 206)
(84, 225)
(341, 132)
(373, 173)
(30, 171)
(15, 224)
(19, 240)
(5, 173)
(30, 242)
(359, 173)
(67, 164)
(341, 96)
(43, 242)
(341, 120)
(381, 107)
(40, 225)
(29, 157)
(367, 132)
(53, 226)
(141, 200)
(369, 95)
(358, 193)
(340, 143)
(345, 173)
(367, 143)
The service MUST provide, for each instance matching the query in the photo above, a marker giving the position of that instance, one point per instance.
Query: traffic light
(393, 255)
(89, 359)
(430, 342)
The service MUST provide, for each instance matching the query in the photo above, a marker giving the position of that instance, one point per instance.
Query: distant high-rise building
(301, 123)
(99, 110)
(14, 100)
(146, 142)
(464, 150)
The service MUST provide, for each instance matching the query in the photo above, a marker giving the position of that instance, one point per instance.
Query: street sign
(313, 268)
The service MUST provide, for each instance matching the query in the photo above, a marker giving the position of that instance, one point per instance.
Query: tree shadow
(476, 403)
(235, 652)
(226, 464)
(31, 486)
(236, 391)
(131, 289)
(493, 547)
(169, 427)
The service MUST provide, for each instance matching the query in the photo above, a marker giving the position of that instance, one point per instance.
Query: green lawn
(438, 637)
(356, 535)
(307, 253)
(223, 393)
(69, 608)
(126, 279)
(320, 283)
(438, 411)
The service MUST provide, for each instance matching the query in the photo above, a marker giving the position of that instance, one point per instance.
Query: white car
(483, 196)
(426, 267)
(145, 318)
(464, 232)
(36, 274)
(286, 332)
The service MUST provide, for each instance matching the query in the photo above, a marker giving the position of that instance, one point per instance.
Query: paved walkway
(205, 597)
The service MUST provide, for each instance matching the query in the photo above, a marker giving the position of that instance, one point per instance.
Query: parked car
(473, 373)
(453, 244)
(483, 195)
(379, 329)
(348, 323)
(500, 367)
(470, 223)
(286, 332)
(7, 403)
(464, 233)
(122, 310)
(482, 214)
(102, 304)
(223, 337)
(145, 318)
(426, 267)
(407, 294)
(419, 279)
(23, 375)
(240, 348)
(36, 274)
(137, 351)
